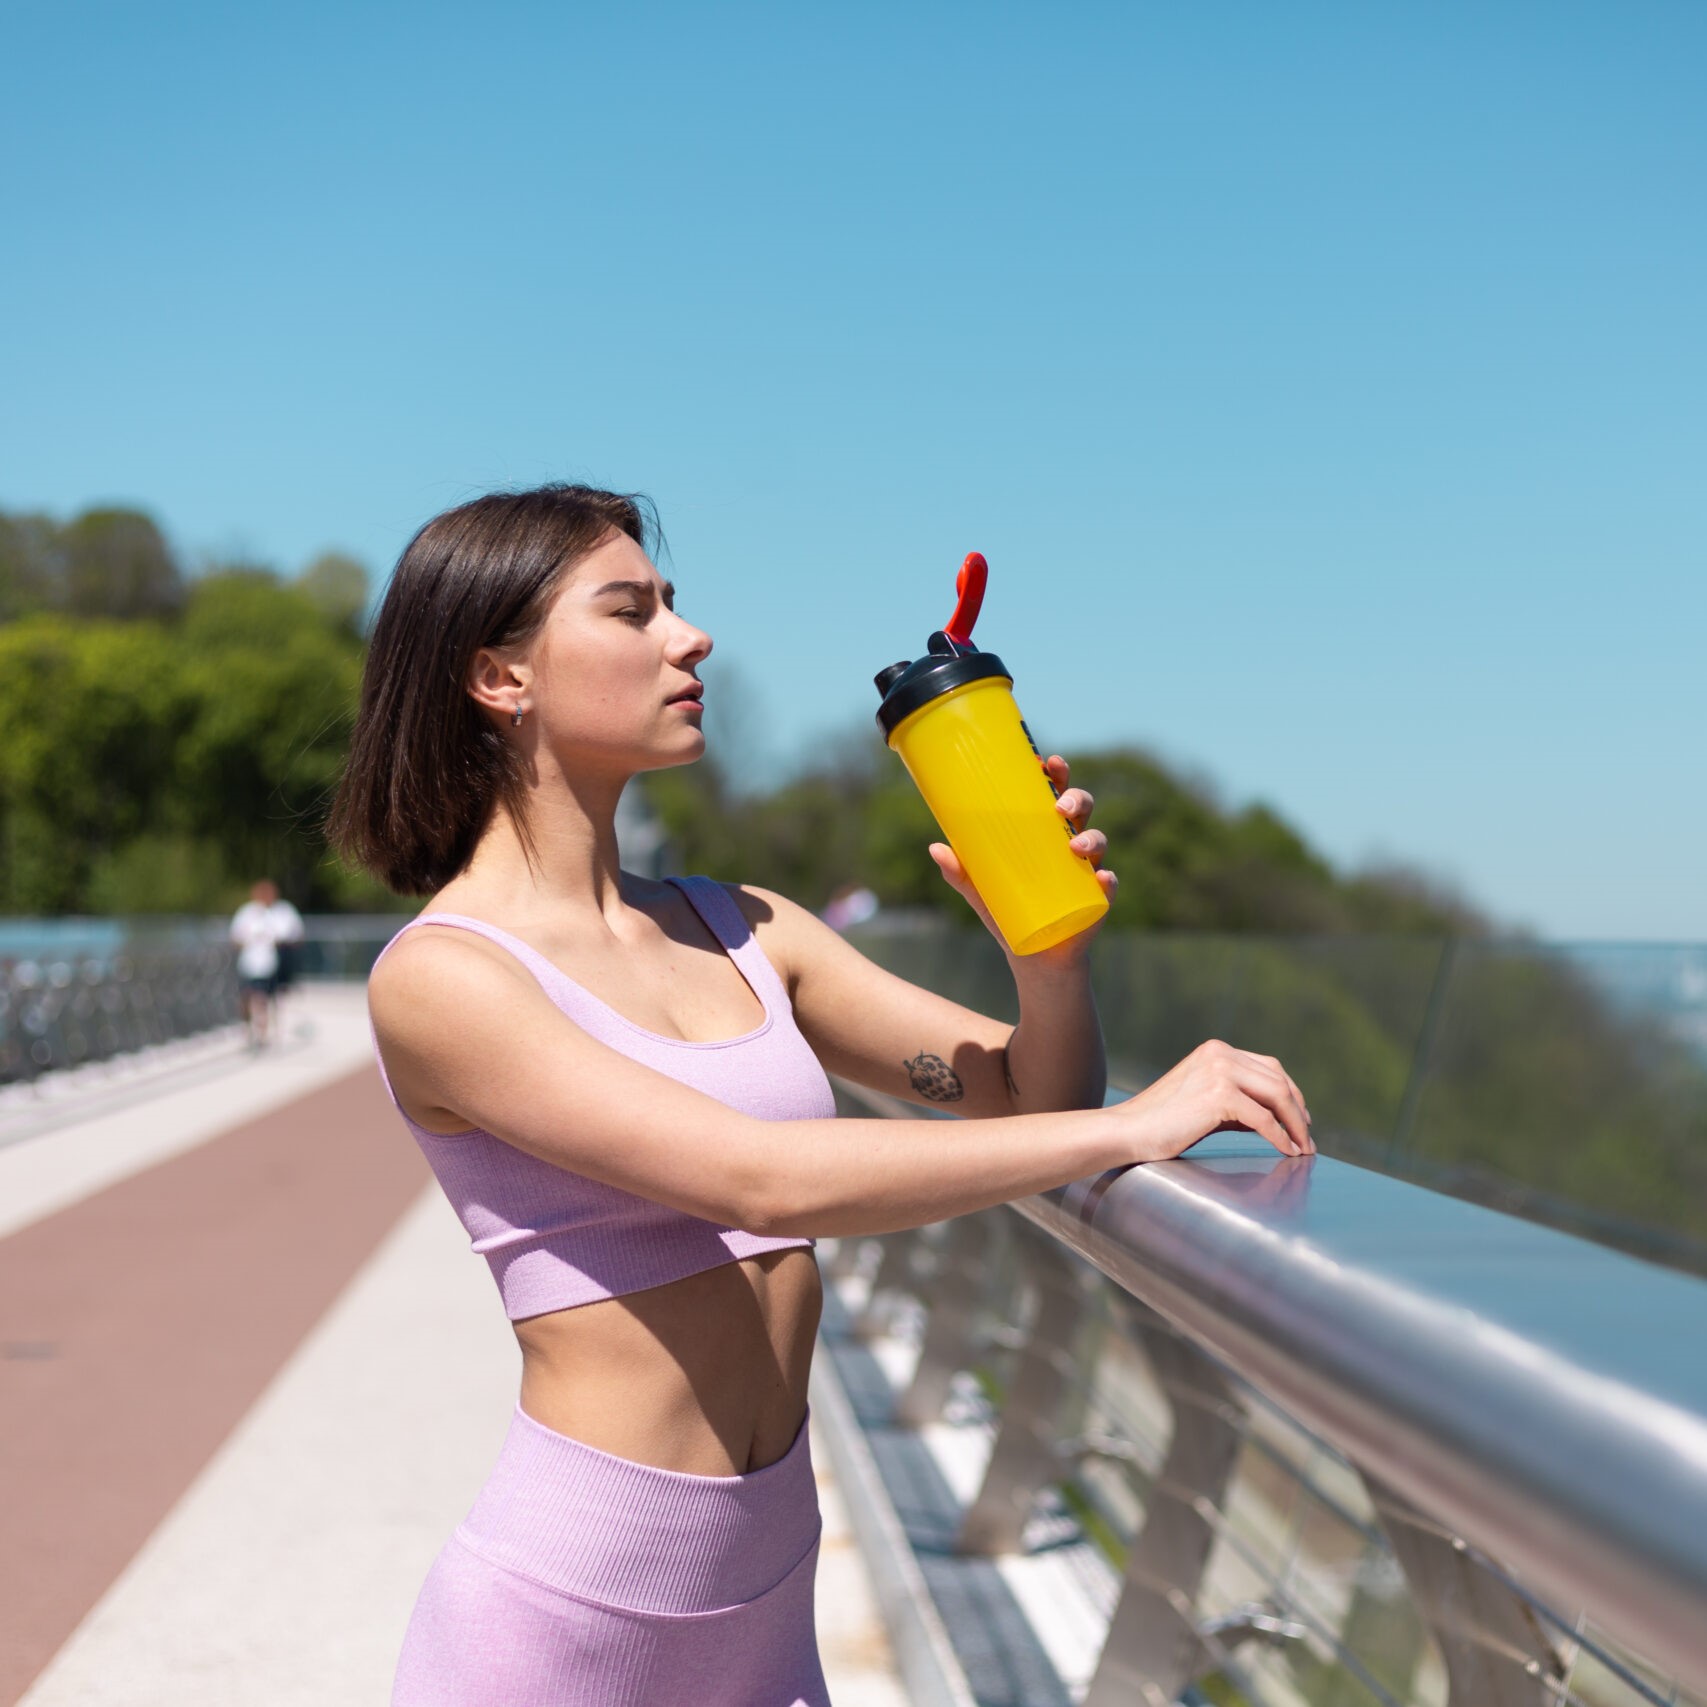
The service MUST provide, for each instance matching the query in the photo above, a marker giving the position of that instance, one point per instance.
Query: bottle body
(972, 758)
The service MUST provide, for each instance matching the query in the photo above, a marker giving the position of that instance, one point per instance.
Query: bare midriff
(706, 1374)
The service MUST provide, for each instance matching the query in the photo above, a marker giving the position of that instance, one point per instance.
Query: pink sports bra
(554, 1238)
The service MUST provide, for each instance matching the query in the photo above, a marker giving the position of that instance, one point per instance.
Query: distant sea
(1662, 980)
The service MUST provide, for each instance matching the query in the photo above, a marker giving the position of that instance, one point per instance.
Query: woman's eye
(631, 613)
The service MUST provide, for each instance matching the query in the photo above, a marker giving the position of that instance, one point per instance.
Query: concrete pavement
(237, 1420)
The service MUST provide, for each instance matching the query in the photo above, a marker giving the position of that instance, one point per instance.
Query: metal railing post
(898, 1252)
(954, 1293)
(1153, 1648)
(1023, 1460)
(1494, 1648)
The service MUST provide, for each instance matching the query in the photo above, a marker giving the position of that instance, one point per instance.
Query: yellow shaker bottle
(951, 716)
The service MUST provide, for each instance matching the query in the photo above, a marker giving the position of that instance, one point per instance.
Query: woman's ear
(500, 686)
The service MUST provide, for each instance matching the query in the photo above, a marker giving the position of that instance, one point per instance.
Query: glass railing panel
(1602, 1673)
(1260, 1515)
(1564, 1084)
(1389, 1640)
(1304, 1594)
(1552, 1091)
(965, 965)
(1118, 1423)
(1328, 1549)
(58, 1014)
(1295, 1537)
(1345, 1015)
(1126, 1395)
(1301, 1599)
(1161, 996)
(1300, 1675)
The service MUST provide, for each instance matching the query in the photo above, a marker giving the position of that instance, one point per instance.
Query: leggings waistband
(622, 1534)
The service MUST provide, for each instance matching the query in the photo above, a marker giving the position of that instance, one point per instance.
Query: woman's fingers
(954, 874)
(1258, 1081)
(1291, 1083)
(1217, 1088)
(1299, 1095)
(1074, 804)
(1253, 1114)
(948, 863)
(1091, 845)
(1273, 1066)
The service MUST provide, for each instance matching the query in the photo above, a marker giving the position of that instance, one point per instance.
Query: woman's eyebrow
(639, 589)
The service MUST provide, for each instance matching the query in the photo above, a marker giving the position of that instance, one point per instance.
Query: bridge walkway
(250, 1378)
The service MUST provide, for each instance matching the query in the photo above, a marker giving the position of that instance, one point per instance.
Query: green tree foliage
(275, 687)
(337, 586)
(31, 567)
(116, 564)
(164, 742)
(1184, 864)
(108, 562)
(91, 717)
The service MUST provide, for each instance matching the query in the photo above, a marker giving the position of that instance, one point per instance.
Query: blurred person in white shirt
(258, 928)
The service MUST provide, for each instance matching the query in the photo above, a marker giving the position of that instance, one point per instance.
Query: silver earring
(516, 718)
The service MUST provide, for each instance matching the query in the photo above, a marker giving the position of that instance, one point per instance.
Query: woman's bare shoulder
(434, 971)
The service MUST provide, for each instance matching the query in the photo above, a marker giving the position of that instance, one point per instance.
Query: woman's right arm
(470, 1039)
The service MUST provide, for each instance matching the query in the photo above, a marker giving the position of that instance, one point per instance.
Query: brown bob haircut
(427, 765)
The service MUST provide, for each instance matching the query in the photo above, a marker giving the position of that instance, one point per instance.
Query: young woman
(621, 1086)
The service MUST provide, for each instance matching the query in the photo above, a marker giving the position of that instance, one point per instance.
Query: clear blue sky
(1326, 383)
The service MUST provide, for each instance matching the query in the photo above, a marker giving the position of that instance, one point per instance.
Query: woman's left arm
(867, 1025)
(1055, 1055)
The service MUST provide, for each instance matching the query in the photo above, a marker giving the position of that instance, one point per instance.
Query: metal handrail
(1525, 1414)
(1543, 1398)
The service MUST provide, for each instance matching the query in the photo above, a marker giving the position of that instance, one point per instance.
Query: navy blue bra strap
(728, 924)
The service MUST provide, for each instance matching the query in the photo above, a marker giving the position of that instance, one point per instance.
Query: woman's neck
(565, 860)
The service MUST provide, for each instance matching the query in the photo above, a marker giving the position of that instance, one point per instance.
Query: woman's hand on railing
(1218, 1088)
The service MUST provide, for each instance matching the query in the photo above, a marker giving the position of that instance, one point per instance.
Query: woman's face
(614, 670)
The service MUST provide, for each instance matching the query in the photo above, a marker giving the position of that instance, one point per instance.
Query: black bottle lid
(948, 664)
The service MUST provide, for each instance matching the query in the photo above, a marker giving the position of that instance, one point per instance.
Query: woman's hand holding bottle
(1075, 805)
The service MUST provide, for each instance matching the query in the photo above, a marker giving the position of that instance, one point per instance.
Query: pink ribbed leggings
(584, 1580)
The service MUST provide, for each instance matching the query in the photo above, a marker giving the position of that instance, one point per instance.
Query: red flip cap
(969, 584)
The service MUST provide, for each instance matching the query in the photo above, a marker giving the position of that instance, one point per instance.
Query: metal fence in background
(60, 1013)
(345, 945)
(84, 995)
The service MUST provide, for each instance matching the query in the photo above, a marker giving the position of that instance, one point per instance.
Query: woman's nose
(691, 643)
